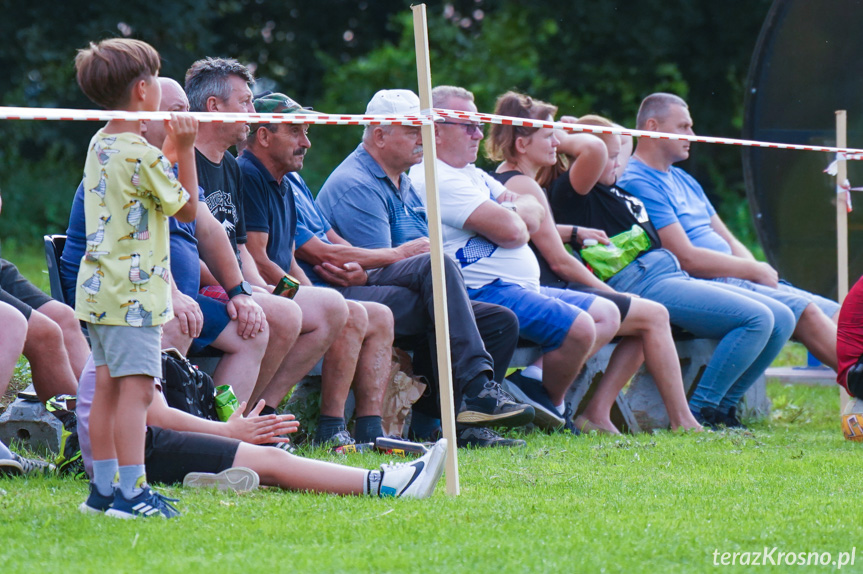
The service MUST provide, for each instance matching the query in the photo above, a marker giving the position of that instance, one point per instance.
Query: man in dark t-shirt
(222, 85)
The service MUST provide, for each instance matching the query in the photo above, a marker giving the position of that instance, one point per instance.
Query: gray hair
(443, 94)
(209, 77)
(656, 106)
(369, 130)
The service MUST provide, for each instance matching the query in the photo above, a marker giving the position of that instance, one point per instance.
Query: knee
(43, 328)
(582, 332)
(381, 320)
(358, 319)
(335, 307)
(61, 314)
(784, 322)
(606, 315)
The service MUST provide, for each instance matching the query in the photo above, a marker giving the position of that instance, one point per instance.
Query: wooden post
(842, 225)
(436, 240)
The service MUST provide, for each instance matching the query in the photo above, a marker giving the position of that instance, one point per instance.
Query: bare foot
(585, 425)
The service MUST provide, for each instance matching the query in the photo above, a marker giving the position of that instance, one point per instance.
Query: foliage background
(596, 56)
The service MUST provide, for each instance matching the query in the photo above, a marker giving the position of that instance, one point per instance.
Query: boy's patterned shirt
(129, 192)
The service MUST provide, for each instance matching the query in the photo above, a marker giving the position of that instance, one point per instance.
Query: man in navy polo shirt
(361, 354)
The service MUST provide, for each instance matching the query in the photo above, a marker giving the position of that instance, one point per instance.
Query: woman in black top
(645, 327)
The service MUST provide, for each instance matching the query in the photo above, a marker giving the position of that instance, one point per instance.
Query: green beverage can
(226, 402)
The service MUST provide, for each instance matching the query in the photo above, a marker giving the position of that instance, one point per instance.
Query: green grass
(646, 503)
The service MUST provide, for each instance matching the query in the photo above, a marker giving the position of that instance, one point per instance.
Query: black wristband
(573, 236)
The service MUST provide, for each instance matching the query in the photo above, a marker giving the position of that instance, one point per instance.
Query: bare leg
(817, 332)
(562, 365)
(173, 337)
(134, 397)
(606, 318)
(243, 359)
(648, 321)
(622, 365)
(12, 337)
(373, 368)
(49, 362)
(324, 314)
(276, 467)
(340, 361)
(76, 345)
(103, 409)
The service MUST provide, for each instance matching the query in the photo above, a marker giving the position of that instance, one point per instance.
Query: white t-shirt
(461, 191)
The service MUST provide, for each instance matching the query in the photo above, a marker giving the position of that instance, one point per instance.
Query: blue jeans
(751, 328)
(796, 299)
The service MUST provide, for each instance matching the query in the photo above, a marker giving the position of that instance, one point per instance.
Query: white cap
(393, 102)
(589, 242)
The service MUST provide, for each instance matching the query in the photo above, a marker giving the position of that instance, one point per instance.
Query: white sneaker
(238, 479)
(10, 467)
(415, 479)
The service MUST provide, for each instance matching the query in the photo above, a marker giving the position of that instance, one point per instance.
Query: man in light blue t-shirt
(690, 227)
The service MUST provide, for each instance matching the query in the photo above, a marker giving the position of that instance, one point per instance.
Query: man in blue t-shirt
(379, 222)
(690, 227)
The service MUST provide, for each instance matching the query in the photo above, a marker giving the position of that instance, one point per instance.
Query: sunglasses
(469, 128)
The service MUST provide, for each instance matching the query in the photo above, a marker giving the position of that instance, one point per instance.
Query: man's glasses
(469, 127)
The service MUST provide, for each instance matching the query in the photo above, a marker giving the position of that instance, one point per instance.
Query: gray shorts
(127, 351)
(795, 298)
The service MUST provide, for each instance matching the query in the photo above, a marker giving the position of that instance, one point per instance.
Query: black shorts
(170, 455)
(18, 292)
(622, 300)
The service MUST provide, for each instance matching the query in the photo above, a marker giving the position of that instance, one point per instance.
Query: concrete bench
(639, 408)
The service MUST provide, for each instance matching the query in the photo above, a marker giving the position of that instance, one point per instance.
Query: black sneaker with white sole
(494, 407)
(531, 392)
(482, 437)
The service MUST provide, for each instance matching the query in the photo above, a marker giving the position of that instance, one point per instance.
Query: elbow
(513, 238)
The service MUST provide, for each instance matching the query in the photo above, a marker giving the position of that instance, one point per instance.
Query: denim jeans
(751, 328)
(795, 298)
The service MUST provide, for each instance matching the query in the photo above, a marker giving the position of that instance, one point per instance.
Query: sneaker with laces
(96, 503)
(568, 424)
(10, 467)
(415, 479)
(531, 392)
(341, 438)
(494, 406)
(33, 465)
(238, 479)
(147, 503)
(482, 437)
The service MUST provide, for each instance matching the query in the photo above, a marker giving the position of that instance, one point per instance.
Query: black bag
(187, 388)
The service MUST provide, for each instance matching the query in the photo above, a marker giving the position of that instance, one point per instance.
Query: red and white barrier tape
(506, 120)
(16, 113)
(7, 113)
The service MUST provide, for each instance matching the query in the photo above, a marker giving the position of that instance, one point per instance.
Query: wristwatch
(573, 236)
(243, 288)
(509, 205)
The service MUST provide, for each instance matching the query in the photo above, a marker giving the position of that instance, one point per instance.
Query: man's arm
(498, 224)
(318, 252)
(737, 248)
(217, 253)
(258, 268)
(708, 264)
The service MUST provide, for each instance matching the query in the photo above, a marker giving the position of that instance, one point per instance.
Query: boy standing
(124, 283)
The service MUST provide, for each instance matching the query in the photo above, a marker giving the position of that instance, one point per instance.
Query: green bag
(606, 260)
